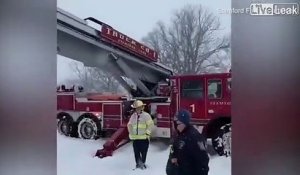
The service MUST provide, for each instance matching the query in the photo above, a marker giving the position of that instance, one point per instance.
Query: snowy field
(75, 157)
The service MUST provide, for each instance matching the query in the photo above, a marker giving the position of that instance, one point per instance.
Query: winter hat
(184, 116)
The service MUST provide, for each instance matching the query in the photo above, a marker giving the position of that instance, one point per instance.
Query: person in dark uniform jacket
(188, 155)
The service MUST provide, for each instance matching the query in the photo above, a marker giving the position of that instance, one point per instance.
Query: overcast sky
(134, 18)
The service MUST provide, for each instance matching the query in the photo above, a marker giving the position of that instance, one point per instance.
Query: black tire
(89, 128)
(65, 126)
(222, 140)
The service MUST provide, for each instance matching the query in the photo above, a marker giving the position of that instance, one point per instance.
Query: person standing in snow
(188, 155)
(139, 127)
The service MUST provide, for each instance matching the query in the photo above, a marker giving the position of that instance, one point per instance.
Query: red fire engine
(91, 115)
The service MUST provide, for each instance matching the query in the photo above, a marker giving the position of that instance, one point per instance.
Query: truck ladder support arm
(126, 69)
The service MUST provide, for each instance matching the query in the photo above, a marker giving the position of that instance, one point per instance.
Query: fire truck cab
(208, 98)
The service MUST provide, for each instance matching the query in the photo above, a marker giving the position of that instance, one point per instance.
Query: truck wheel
(88, 129)
(222, 140)
(64, 126)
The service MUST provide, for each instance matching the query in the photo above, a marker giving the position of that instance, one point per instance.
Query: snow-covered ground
(75, 157)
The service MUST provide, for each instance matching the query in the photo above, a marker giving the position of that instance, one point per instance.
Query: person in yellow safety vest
(139, 127)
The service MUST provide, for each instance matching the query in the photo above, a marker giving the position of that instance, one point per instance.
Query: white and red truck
(91, 115)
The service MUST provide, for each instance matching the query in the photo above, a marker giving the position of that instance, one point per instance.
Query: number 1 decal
(193, 107)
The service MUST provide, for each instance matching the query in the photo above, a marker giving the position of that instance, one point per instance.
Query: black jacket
(189, 147)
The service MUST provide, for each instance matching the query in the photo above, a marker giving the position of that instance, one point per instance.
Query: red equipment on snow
(114, 142)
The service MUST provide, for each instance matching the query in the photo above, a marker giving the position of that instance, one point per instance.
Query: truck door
(192, 96)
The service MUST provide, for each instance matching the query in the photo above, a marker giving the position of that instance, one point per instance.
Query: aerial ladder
(79, 41)
(114, 53)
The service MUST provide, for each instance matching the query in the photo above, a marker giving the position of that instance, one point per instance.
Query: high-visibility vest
(140, 126)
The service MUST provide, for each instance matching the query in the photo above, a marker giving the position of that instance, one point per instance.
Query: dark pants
(140, 148)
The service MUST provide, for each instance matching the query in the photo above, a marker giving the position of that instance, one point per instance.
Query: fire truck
(92, 115)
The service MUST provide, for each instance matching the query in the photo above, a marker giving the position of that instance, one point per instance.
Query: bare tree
(106, 81)
(84, 75)
(190, 44)
(93, 79)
